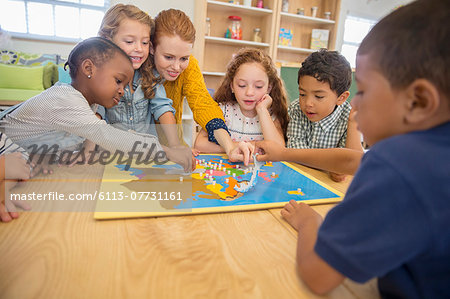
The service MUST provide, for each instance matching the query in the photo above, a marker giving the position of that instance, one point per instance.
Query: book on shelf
(319, 39)
(285, 37)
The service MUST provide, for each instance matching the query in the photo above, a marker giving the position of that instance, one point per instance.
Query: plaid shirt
(329, 132)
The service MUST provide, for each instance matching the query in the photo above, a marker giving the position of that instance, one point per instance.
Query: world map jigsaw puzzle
(163, 190)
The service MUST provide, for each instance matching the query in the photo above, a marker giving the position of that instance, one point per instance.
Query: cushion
(50, 75)
(63, 75)
(22, 58)
(10, 94)
(21, 77)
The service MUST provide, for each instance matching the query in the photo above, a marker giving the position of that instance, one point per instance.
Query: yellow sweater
(190, 84)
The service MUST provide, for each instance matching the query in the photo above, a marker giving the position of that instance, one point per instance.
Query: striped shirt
(330, 132)
(8, 147)
(62, 116)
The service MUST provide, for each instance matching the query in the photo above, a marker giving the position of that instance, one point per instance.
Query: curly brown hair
(109, 27)
(330, 67)
(224, 93)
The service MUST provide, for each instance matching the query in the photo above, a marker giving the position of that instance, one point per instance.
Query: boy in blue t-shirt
(394, 222)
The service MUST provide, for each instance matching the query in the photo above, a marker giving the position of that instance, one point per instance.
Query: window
(354, 32)
(70, 20)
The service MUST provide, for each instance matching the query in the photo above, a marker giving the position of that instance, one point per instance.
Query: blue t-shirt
(394, 222)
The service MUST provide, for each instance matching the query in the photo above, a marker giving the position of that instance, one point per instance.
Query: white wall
(152, 7)
(369, 9)
(62, 48)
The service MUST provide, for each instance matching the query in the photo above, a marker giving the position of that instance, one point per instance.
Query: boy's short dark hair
(412, 42)
(328, 66)
(97, 49)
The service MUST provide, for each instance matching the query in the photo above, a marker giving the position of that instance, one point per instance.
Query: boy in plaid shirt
(320, 118)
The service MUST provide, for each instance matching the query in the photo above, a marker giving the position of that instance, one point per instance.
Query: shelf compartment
(234, 8)
(306, 19)
(230, 41)
(296, 50)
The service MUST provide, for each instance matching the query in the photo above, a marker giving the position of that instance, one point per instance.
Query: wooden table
(227, 255)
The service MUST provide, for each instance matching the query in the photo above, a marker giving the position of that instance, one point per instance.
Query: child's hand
(297, 214)
(194, 163)
(241, 152)
(8, 209)
(181, 155)
(270, 151)
(264, 103)
(337, 177)
(195, 152)
(83, 158)
(16, 167)
(351, 116)
(40, 163)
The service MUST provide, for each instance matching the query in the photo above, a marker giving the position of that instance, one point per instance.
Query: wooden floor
(226, 255)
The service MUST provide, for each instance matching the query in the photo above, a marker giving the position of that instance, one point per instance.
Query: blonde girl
(144, 102)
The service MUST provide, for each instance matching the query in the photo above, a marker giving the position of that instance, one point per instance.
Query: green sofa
(24, 75)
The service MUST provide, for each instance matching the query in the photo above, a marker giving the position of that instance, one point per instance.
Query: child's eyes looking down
(243, 86)
(316, 96)
(132, 42)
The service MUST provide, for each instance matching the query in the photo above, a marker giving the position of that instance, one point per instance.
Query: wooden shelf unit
(215, 51)
(302, 27)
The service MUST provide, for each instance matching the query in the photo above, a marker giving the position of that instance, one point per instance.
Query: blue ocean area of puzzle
(275, 190)
(134, 171)
(265, 192)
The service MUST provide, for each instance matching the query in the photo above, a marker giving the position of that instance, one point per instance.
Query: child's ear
(422, 101)
(87, 68)
(343, 97)
(269, 89)
(231, 86)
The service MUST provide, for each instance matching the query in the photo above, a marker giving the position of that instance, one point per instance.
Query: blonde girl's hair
(173, 22)
(224, 93)
(109, 27)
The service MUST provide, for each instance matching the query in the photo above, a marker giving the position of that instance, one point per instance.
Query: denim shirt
(134, 111)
